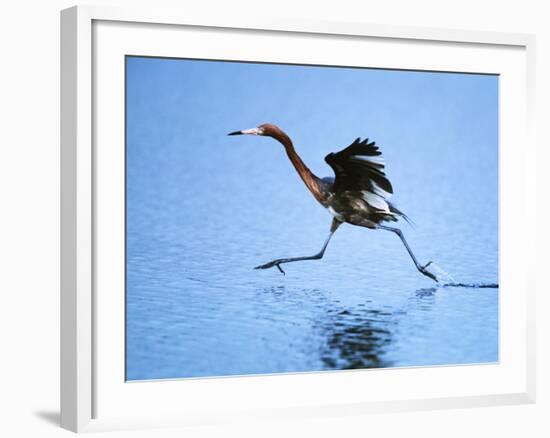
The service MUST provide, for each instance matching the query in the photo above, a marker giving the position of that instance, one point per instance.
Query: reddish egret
(358, 195)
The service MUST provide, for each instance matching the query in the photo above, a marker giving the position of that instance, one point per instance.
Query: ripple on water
(195, 306)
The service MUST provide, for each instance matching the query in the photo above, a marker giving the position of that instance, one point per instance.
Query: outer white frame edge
(76, 220)
(76, 199)
(531, 153)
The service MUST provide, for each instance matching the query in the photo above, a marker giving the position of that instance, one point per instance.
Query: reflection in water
(358, 339)
(426, 292)
(349, 337)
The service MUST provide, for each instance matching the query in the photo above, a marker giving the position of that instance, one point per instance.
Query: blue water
(203, 209)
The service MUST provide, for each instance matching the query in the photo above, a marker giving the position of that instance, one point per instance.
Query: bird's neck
(311, 181)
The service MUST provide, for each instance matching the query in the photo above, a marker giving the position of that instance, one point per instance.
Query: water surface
(203, 209)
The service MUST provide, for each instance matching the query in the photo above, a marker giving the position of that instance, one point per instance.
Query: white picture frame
(93, 396)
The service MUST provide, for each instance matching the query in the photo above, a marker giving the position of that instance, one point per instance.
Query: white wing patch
(377, 159)
(376, 201)
(380, 191)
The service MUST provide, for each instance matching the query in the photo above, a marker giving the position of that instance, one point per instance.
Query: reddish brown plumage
(312, 182)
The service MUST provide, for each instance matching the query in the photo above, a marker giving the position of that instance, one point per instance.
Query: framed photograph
(275, 219)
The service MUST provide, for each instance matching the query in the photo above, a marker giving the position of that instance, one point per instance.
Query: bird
(357, 194)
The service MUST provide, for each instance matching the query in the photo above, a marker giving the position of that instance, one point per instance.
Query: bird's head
(267, 129)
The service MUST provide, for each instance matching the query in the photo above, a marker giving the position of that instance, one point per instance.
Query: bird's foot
(427, 273)
(271, 264)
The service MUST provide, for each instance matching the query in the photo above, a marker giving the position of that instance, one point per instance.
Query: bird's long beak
(252, 131)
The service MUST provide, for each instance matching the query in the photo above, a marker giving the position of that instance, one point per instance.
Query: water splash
(474, 285)
(445, 279)
(442, 276)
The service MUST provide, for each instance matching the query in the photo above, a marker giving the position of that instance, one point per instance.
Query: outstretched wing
(360, 167)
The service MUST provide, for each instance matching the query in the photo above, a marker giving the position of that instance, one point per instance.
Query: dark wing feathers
(360, 166)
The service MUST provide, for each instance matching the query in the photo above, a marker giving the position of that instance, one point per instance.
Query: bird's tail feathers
(398, 212)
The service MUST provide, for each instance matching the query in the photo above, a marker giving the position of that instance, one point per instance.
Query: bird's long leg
(421, 268)
(278, 262)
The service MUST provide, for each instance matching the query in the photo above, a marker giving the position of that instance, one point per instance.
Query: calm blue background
(203, 209)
